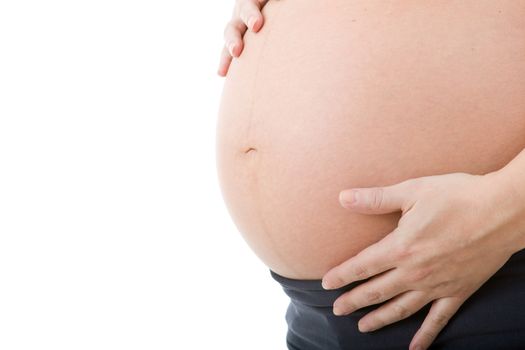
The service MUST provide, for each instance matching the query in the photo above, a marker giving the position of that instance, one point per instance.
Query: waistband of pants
(312, 293)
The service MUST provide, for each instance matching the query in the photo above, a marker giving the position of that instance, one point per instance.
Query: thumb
(379, 200)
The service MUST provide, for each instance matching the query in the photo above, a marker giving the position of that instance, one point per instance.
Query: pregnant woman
(415, 109)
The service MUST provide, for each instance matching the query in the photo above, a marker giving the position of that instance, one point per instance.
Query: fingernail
(349, 197)
(365, 328)
(251, 22)
(325, 285)
(418, 348)
(338, 311)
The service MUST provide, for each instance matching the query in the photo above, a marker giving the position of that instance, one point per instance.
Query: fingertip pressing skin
(235, 48)
(224, 62)
(325, 284)
(327, 281)
(255, 23)
(330, 281)
(251, 22)
(221, 72)
(348, 198)
(234, 44)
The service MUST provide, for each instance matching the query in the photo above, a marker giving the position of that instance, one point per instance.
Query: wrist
(507, 195)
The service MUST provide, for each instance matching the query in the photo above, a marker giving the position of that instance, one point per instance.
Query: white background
(113, 231)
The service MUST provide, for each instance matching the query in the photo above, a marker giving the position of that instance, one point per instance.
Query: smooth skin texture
(448, 222)
(246, 14)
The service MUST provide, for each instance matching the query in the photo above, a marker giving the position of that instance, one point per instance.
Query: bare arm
(511, 179)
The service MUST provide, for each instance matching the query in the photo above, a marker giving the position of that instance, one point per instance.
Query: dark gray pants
(492, 318)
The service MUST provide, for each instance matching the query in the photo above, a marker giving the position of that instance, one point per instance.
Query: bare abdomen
(341, 94)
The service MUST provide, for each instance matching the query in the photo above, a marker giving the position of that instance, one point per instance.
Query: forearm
(513, 176)
(508, 185)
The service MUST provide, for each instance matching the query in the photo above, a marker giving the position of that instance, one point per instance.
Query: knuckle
(420, 274)
(243, 15)
(440, 320)
(403, 249)
(335, 278)
(338, 280)
(415, 185)
(428, 335)
(346, 303)
(237, 25)
(401, 311)
(377, 198)
(462, 291)
(259, 3)
(223, 61)
(229, 28)
(244, 9)
(373, 295)
(360, 271)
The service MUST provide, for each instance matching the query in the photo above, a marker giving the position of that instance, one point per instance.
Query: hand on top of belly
(246, 14)
(455, 232)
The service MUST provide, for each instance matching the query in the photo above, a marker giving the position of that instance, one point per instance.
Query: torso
(341, 94)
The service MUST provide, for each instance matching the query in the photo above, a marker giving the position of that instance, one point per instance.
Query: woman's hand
(246, 14)
(455, 232)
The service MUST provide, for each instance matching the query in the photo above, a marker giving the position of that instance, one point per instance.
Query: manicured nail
(349, 197)
(251, 22)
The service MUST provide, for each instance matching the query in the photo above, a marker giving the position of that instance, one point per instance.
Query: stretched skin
(361, 94)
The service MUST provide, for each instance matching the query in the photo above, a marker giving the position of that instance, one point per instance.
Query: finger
(371, 261)
(380, 200)
(250, 14)
(233, 36)
(440, 313)
(397, 309)
(225, 61)
(375, 291)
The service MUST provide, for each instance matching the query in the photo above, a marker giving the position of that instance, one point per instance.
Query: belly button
(250, 150)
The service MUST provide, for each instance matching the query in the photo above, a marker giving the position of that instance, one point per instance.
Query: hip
(492, 318)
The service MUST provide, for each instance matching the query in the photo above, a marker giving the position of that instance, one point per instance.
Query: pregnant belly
(341, 94)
